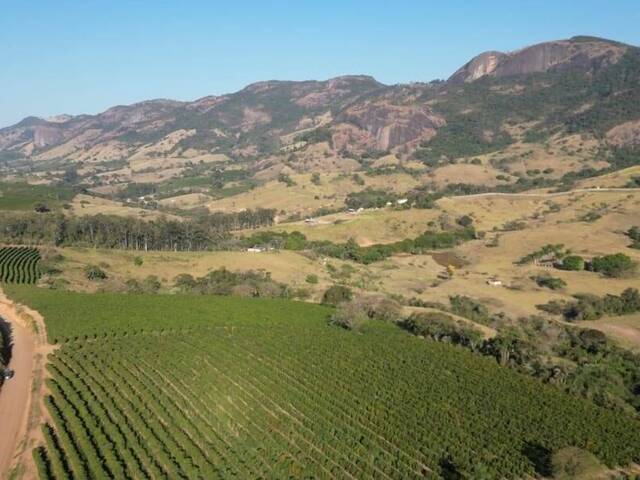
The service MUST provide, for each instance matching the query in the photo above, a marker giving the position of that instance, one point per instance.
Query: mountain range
(583, 85)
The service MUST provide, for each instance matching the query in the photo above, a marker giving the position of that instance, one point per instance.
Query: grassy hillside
(264, 388)
(22, 196)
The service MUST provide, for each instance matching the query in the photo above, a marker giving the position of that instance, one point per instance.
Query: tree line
(204, 232)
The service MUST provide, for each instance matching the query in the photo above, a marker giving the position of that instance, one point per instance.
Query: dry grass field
(423, 276)
(305, 197)
(90, 205)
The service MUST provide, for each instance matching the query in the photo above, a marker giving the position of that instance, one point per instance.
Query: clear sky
(83, 56)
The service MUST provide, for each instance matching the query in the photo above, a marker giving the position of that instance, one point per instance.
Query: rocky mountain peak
(586, 53)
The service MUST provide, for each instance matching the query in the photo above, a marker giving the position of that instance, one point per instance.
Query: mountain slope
(541, 94)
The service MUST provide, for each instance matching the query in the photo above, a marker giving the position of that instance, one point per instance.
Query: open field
(543, 221)
(265, 388)
(90, 205)
(305, 197)
(23, 196)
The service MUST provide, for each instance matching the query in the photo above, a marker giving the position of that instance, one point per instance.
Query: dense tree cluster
(205, 232)
(443, 328)
(224, 282)
(615, 265)
(350, 250)
(592, 307)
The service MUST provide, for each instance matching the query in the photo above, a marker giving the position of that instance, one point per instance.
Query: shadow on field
(540, 457)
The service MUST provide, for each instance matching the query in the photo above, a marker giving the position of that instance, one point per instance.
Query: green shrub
(312, 278)
(573, 263)
(469, 308)
(336, 294)
(443, 328)
(94, 272)
(617, 265)
(550, 282)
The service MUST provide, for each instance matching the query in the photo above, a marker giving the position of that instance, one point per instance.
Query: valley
(332, 279)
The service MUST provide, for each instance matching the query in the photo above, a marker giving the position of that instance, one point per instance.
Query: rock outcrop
(585, 53)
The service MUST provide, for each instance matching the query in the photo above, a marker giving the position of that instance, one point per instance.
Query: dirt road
(544, 194)
(14, 396)
(21, 398)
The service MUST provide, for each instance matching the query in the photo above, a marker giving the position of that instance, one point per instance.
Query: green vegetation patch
(19, 265)
(186, 386)
(22, 196)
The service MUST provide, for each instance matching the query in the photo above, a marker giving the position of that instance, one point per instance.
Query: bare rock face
(382, 126)
(625, 135)
(586, 53)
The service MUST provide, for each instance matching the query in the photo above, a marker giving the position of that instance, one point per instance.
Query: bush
(138, 261)
(312, 278)
(571, 462)
(469, 308)
(151, 284)
(550, 282)
(133, 286)
(336, 294)
(380, 308)
(443, 328)
(94, 272)
(634, 234)
(573, 263)
(465, 221)
(592, 307)
(617, 265)
(349, 315)
(286, 179)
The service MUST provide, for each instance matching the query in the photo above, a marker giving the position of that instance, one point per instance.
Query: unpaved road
(543, 194)
(22, 397)
(14, 396)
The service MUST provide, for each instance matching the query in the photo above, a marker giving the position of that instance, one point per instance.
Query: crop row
(276, 403)
(19, 265)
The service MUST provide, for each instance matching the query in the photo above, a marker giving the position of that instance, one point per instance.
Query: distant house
(309, 220)
(402, 201)
(255, 250)
(494, 282)
(548, 261)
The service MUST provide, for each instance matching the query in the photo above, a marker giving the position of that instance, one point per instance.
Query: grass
(218, 387)
(23, 196)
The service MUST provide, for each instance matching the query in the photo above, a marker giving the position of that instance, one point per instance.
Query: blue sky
(84, 56)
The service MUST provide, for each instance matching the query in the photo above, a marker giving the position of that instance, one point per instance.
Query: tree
(315, 178)
(616, 265)
(573, 262)
(465, 221)
(336, 294)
